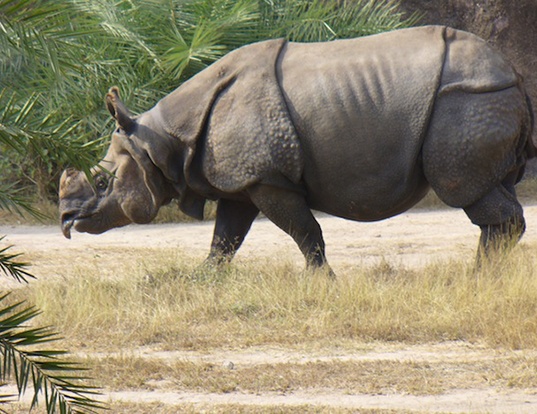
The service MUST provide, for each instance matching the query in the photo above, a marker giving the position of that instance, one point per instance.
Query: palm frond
(204, 31)
(367, 17)
(12, 267)
(14, 130)
(13, 200)
(318, 20)
(34, 35)
(41, 137)
(194, 56)
(115, 20)
(64, 55)
(22, 358)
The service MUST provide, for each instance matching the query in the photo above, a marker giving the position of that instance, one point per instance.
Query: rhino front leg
(290, 212)
(233, 221)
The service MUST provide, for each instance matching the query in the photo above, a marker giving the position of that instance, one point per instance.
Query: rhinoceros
(359, 128)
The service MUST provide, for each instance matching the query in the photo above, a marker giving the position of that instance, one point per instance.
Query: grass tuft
(167, 300)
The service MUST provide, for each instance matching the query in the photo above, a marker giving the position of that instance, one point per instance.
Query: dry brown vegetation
(169, 300)
(163, 334)
(126, 323)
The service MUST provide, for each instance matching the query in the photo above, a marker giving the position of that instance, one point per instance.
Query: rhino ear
(118, 110)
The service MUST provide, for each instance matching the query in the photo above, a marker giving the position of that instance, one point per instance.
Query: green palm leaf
(64, 55)
(10, 266)
(60, 382)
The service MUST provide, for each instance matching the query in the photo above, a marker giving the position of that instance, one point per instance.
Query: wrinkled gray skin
(359, 129)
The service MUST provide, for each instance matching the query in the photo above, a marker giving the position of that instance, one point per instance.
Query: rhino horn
(118, 110)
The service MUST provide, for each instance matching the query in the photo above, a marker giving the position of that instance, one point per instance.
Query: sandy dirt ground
(412, 240)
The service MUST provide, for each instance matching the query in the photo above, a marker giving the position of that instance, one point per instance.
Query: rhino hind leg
(473, 155)
(500, 217)
(474, 141)
(290, 212)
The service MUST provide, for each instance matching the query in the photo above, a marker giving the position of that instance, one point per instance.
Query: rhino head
(127, 186)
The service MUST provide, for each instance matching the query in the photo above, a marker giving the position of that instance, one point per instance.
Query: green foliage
(203, 31)
(59, 59)
(9, 265)
(12, 200)
(47, 371)
(23, 358)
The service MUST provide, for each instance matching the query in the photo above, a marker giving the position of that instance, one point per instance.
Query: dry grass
(374, 377)
(240, 409)
(162, 408)
(105, 301)
(165, 300)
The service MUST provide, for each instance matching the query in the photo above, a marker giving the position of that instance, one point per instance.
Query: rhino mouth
(69, 220)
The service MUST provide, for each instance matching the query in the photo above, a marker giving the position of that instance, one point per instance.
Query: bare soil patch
(412, 239)
(449, 377)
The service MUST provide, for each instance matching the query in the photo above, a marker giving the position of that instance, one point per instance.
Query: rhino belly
(361, 109)
(357, 190)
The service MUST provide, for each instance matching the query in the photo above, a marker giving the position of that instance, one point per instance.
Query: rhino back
(363, 106)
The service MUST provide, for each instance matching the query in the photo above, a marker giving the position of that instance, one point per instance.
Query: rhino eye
(101, 183)
(121, 131)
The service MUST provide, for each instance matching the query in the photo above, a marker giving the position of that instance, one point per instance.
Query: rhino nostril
(67, 217)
